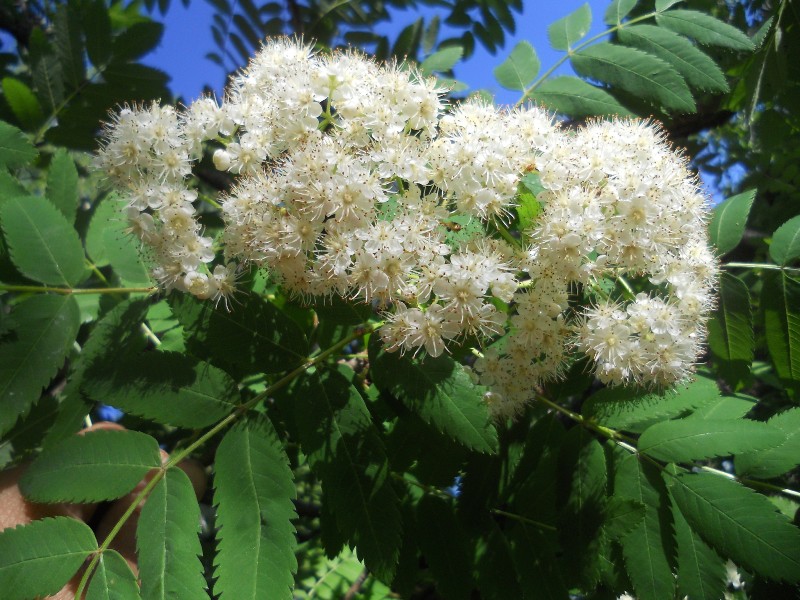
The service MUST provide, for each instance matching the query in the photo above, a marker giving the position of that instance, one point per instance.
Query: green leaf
(780, 301)
(113, 579)
(253, 492)
(685, 440)
(166, 541)
(568, 30)
(120, 328)
(442, 61)
(109, 242)
(167, 387)
(337, 435)
(662, 5)
(43, 245)
(701, 572)
(625, 408)
(739, 523)
(648, 548)
(728, 220)
(696, 67)
(730, 331)
(536, 563)
(23, 102)
(231, 341)
(636, 72)
(705, 29)
(37, 559)
(574, 97)
(444, 545)
(496, 576)
(774, 462)
(62, 184)
(439, 391)
(621, 516)
(46, 327)
(10, 187)
(785, 246)
(520, 68)
(617, 11)
(727, 407)
(15, 147)
(99, 465)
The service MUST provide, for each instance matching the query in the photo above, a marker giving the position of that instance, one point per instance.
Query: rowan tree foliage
(425, 347)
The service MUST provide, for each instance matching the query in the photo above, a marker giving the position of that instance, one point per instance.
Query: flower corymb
(462, 224)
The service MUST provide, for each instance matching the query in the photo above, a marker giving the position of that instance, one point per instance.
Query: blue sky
(187, 39)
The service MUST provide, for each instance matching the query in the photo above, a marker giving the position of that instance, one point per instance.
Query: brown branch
(356, 587)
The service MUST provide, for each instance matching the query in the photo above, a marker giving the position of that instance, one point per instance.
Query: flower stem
(43, 289)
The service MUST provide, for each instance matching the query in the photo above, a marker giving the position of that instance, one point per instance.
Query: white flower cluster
(352, 179)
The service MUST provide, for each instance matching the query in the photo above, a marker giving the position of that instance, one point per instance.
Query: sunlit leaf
(37, 559)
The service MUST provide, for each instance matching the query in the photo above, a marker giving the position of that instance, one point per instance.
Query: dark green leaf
(23, 103)
(37, 559)
(444, 545)
(137, 40)
(574, 97)
(47, 75)
(780, 301)
(618, 10)
(408, 40)
(168, 387)
(581, 498)
(728, 220)
(662, 5)
(535, 561)
(623, 408)
(705, 29)
(785, 246)
(62, 184)
(253, 492)
(99, 465)
(621, 516)
(166, 541)
(254, 337)
(739, 524)
(648, 548)
(696, 67)
(69, 44)
(15, 148)
(439, 391)
(342, 444)
(636, 72)
(685, 440)
(46, 327)
(568, 30)
(773, 462)
(701, 572)
(496, 576)
(43, 245)
(97, 27)
(520, 68)
(113, 579)
(730, 331)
